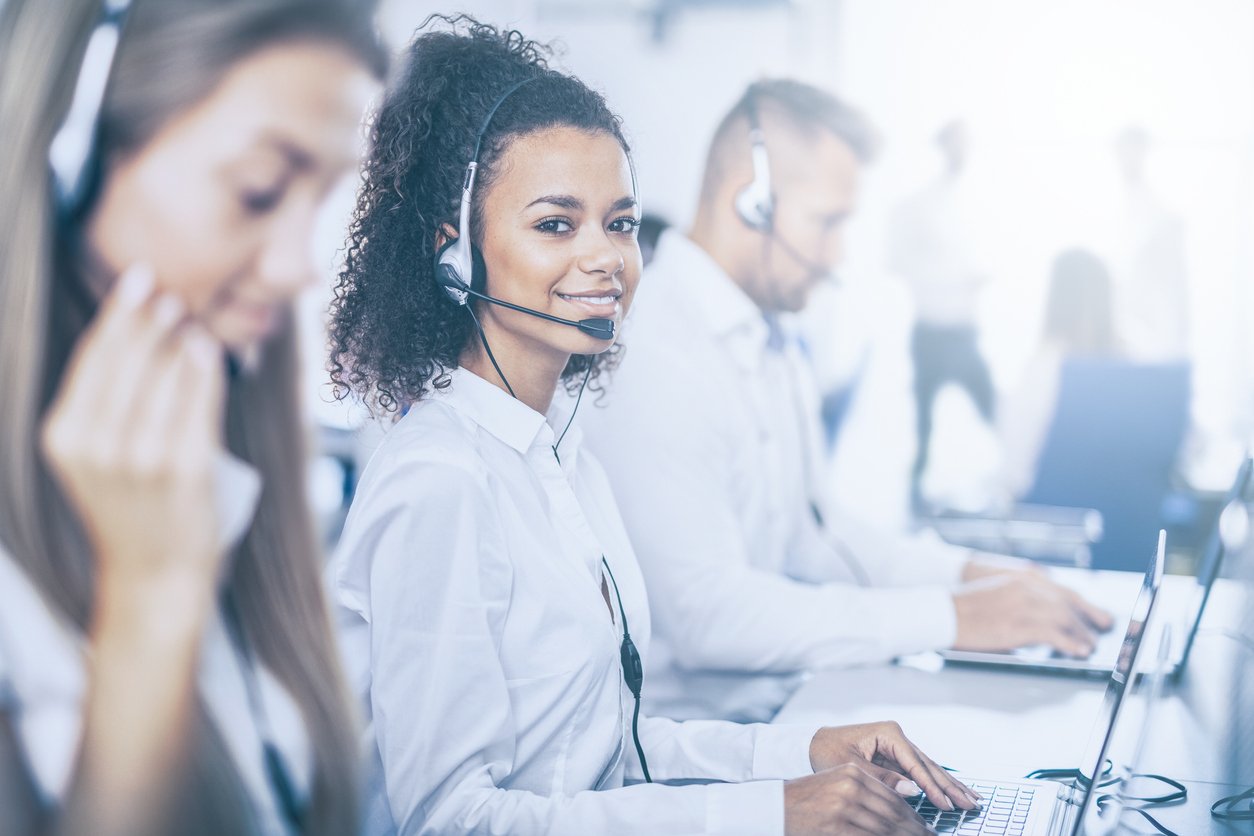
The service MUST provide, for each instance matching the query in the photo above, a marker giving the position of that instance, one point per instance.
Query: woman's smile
(597, 302)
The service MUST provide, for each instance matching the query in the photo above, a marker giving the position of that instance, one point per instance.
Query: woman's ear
(443, 235)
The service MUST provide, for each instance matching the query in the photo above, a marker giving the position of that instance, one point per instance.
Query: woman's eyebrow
(565, 201)
(299, 158)
(622, 203)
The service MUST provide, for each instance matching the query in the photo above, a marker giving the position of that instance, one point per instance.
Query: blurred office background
(1122, 130)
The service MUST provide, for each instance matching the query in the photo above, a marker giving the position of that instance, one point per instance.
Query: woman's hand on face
(847, 800)
(883, 751)
(133, 435)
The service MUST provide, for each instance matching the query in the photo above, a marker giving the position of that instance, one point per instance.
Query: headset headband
(72, 152)
(755, 203)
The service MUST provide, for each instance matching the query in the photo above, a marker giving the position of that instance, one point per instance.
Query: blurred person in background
(932, 247)
(1079, 322)
(166, 657)
(1151, 293)
(651, 229)
(709, 434)
(484, 583)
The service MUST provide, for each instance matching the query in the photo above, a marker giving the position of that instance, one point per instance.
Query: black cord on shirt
(292, 810)
(633, 673)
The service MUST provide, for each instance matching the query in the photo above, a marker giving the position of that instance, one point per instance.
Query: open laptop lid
(1103, 727)
(1212, 561)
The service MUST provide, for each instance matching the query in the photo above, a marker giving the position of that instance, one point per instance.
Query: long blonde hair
(171, 55)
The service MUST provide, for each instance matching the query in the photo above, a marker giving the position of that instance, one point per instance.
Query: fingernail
(201, 348)
(134, 285)
(168, 310)
(949, 804)
(908, 788)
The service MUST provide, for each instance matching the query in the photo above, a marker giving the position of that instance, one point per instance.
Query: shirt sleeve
(718, 750)
(886, 558)
(673, 483)
(439, 702)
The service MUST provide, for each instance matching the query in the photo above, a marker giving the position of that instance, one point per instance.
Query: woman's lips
(599, 305)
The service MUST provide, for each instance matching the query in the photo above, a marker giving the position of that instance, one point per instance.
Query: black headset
(459, 265)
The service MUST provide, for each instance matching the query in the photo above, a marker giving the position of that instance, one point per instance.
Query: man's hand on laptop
(1003, 607)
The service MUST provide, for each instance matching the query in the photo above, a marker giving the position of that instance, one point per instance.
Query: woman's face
(221, 202)
(559, 236)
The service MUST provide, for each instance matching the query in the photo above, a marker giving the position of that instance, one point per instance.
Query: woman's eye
(628, 225)
(261, 201)
(554, 225)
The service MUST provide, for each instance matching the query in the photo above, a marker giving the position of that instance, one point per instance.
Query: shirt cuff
(755, 808)
(932, 622)
(938, 562)
(782, 751)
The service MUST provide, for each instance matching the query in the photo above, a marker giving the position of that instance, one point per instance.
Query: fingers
(114, 359)
(942, 789)
(204, 394)
(1070, 634)
(895, 781)
(1093, 614)
(880, 809)
(178, 423)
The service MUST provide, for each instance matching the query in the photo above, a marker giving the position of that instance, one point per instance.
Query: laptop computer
(1112, 590)
(1209, 567)
(1026, 807)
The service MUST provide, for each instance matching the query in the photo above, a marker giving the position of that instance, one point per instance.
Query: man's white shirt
(709, 433)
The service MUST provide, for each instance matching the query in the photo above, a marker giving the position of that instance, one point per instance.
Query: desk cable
(1105, 778)
(1226, 809)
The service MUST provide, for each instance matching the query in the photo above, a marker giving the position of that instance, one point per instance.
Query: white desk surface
(988, 722)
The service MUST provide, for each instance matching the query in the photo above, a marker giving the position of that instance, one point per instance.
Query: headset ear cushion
(755, 206)
(479, 271)
(448, 272)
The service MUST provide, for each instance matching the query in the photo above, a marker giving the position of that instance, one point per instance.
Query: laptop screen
(1213, 558)
(1103, 726)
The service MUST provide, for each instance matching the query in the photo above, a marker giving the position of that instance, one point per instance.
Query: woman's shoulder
(427, 465)
(430, 436)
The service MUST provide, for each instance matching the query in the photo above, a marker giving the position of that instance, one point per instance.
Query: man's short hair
(805, 107)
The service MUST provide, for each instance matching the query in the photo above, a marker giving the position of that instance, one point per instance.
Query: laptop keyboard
(1004, 812)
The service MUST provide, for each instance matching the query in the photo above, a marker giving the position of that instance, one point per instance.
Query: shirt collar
(494, 409)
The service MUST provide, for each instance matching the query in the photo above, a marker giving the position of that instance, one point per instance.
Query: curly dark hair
(394, 332)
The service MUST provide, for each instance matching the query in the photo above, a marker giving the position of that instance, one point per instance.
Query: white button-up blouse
(468, 595)
(44, 679)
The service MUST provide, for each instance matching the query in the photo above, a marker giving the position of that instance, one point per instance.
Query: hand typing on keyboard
(883, 751)
(1005, 611)
(1004, 813)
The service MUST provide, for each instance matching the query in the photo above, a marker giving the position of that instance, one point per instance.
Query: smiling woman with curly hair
(395, 333)
(484, 582)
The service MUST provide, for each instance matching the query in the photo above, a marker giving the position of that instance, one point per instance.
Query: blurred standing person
(1151, 303)
(1078, 323)
(166, 656)
(931, 247)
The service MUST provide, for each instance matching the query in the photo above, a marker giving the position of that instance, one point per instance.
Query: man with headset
(709, 433)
